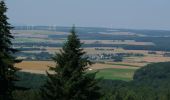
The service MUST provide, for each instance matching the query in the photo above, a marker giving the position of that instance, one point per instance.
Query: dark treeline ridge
(162, 46)
(41, 56)
(90, 30)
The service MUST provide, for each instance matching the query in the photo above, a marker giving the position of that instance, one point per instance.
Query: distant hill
(86, 30)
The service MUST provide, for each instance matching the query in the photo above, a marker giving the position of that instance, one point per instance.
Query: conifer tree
(70, 80)
(7, 60)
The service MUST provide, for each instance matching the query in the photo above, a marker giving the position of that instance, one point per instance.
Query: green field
(116, 74)
(124, 65)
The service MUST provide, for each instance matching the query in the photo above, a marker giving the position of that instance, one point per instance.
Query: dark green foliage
(155, 75)
(118, 58)
(30, 80)
(69, 80)
(7, 61)
(153, 71)
(27, 95)
(150, 83)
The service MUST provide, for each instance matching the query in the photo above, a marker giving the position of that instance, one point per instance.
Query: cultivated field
(36, 41)
(128, 62)
(43, 65)
(107, 71)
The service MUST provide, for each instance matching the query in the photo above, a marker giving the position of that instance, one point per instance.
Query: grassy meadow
(116, 74)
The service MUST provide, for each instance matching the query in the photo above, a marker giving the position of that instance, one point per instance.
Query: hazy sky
(136, 14)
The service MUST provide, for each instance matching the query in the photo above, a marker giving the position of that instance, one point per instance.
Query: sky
(133, 14)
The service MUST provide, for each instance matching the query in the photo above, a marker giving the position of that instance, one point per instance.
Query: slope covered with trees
(149, 83)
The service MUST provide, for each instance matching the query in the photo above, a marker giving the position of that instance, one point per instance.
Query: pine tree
(7, 60)
(70, 80)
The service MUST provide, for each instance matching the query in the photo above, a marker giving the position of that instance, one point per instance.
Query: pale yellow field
(128, 42)
(43, 65)
(35, 65)
(156, 59)
(120, 33)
